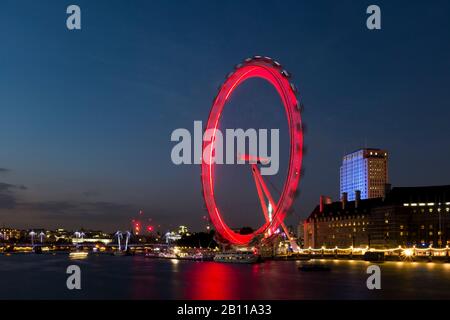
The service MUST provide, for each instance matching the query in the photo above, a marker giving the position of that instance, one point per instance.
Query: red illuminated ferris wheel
(274, 212)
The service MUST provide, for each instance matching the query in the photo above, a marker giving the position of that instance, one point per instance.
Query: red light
(137, 227)
(149, 228)
(255, 69)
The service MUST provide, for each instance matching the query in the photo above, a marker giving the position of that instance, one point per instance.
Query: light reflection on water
(120, 277)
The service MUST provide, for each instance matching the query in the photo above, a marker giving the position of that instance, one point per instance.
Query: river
(30, 276)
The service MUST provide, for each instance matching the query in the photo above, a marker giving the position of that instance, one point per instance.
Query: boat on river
(238, 257)
(78, 254)
(167, 255)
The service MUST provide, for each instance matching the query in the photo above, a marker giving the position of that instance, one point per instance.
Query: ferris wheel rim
(271, 71)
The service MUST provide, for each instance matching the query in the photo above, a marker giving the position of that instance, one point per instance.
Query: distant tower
(365, 170)
(137, 223)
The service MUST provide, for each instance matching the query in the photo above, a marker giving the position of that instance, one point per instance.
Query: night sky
(86, 116)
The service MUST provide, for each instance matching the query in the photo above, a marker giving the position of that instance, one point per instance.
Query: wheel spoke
(260, 194)
(260, 184)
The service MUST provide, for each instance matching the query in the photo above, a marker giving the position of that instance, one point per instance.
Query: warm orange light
(408, 252)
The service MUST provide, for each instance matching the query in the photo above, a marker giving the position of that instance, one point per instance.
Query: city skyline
(94, 149)
(215, 159)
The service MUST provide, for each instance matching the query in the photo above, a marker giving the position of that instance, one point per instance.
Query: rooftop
(397, 196)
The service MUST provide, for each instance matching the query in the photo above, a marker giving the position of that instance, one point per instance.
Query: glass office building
(364, 170)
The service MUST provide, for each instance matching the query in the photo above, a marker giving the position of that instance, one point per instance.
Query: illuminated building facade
(172, 237)
(8, 234)
(417, 216)
(365, 170)
(182, 230)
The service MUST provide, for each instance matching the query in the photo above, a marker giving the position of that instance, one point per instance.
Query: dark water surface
(28, 276)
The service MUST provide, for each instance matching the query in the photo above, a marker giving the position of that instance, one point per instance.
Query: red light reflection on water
(212, 281)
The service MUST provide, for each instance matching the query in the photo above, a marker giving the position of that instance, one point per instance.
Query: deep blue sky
(86, 116)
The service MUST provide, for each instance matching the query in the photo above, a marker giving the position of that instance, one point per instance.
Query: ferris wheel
(274, 211)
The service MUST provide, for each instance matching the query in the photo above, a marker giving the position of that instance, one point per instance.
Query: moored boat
(151, 255)
(238, 257)
(167, 255)
(78, 254)
(194, 257)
